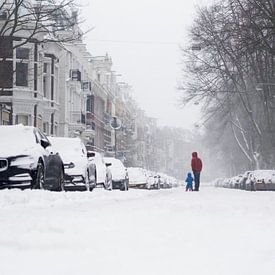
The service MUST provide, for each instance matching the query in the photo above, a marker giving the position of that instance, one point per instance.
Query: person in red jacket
(196, 165)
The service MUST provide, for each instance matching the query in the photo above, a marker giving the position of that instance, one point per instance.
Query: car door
(52, 160)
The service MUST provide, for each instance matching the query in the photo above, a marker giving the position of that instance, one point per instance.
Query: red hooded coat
(196, 162)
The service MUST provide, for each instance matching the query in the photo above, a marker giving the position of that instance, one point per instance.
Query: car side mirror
(90, 154)
(45, 143)
(108, 164)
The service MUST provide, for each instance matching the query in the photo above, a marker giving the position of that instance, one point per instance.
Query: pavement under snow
(140, 232)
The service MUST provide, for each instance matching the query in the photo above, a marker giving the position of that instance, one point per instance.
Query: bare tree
(235, 39)
(30, 21)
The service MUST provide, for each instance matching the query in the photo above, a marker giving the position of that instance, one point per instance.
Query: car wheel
(87, 181)
(108, 185)
(61, 186)
(95, 179)
(39, 182)
(124, 186)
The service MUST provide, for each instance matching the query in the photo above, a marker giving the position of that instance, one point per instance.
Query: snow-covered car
(137, 177)
(261, 180)
(120, 178)
(226, 182)
(270, 180)
(236, 181)
(27, 159)
(79, 172)
(153, 182)
(218, 182)
(102, 177)
(244, 179)
(164, 181)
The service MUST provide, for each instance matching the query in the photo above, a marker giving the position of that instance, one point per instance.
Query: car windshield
(115, 163)
(67, 146)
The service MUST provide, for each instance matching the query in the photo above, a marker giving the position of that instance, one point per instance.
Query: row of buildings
(59, 87)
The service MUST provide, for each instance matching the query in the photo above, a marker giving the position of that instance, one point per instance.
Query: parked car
(169, 182)
(270, 180)
(79, 172)
(218, 182)
(164, 181)
(153, 182)
(120, 178)
(102, 176)
(27, 159)
(236, 181)
(225, 183)
(137, 177)
(244, 179)
(261, 180)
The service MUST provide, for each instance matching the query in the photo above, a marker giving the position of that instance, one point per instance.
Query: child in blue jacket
(189, 180)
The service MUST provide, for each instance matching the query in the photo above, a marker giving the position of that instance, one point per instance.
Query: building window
(40, 122)
(35, 115)
(90, 104)
(52, 66)
(21, 74)
(5, 116)
(45, 65)
(6, 47)
(52, 88)
(22, 53)
(35, 52)
(45, 86)
(6, 74)
(22, 119)
(46, 128)
(52, 124)
(75, 75)
(93, 126)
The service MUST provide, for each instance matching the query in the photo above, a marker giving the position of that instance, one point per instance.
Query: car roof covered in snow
(68, 146)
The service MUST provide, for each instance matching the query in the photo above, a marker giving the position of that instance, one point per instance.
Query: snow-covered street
(140, 232)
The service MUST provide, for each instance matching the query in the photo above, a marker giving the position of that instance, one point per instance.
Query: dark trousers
(197, 180)
(189, 188)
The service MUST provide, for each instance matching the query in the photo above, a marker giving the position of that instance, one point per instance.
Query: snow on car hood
(14, 151)
(16, 141)
(136, 175)
(117, 173)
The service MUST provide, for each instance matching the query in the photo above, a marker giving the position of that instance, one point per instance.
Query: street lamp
(115, 124)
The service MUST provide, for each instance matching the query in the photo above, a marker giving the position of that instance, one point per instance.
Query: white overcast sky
(143, 38)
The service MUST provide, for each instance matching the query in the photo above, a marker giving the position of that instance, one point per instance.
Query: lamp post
(115, 124)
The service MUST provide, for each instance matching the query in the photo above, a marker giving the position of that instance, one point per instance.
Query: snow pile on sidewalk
(140, 232)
